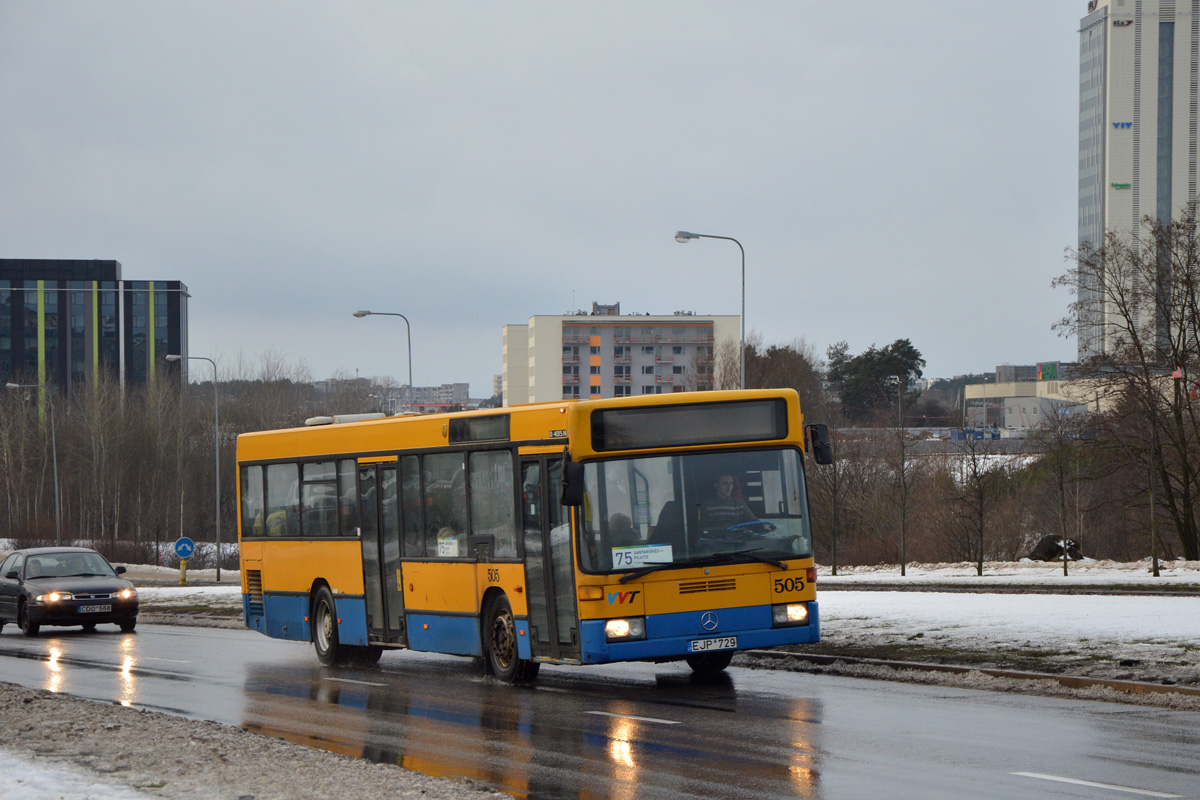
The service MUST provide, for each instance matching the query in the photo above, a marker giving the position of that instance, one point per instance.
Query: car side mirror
(819, 443)
(120, 570)
(12, 575)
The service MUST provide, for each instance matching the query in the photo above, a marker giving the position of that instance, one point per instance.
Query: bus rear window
(683, 425)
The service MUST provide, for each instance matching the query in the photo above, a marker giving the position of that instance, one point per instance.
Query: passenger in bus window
(621, 532)
(722, 508)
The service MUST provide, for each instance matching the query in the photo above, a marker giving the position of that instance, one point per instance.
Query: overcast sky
(893, 170)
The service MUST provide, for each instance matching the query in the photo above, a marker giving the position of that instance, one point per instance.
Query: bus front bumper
(674, 636)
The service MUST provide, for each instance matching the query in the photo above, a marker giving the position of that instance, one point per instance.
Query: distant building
(1023, 397)
(607, 354)
(65, 321)
(1137, 129)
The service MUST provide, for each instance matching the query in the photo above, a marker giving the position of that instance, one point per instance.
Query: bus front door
(379, 524)
(549, 565)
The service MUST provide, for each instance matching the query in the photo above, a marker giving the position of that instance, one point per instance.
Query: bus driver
(721, 509)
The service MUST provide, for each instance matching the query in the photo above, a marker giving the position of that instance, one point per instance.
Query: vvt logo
(622, 597)
(1122, 124)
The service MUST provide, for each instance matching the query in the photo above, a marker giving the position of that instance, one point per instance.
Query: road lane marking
(360, 683)
(1093, 784)
(639, 719)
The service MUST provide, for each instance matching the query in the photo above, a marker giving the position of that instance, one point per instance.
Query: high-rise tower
(1139, 65)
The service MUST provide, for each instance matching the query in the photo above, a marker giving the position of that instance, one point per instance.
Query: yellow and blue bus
(656, 528)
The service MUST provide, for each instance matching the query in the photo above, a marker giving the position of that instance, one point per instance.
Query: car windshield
(67, 565)
(743, 505)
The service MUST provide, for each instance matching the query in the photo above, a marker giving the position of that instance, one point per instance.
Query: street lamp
(408, 332)
(683, 237)
(216, 449)
(54, 455)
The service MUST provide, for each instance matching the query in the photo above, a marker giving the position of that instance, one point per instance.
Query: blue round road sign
(184, 547)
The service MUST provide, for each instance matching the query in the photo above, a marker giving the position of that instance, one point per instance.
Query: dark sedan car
(64, 586)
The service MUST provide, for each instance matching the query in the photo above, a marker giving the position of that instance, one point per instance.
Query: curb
(1070, 681)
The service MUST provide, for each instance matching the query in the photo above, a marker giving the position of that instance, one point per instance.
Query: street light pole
(53, 455)
(408, 334)
(216, 449)
(683, 237)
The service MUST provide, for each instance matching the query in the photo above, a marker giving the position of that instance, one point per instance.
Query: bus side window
(252, 501)
(283, 481)
(445, 505)
(347, 497)
(410, 505)
(492, 512)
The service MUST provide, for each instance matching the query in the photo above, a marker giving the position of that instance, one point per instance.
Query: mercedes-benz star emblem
(709, 621)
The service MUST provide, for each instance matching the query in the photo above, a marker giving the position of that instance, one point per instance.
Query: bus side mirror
(819, 443)
(572, 483)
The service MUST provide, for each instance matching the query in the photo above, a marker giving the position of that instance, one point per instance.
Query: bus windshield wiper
(696, 561)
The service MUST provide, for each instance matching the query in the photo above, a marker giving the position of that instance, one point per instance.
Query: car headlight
(625, 629)
(53, 597)
(125, 594)
(789, 614)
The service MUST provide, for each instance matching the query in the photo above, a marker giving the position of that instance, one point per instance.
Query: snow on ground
(1080, 574)
(19, 782)
(1037, 619)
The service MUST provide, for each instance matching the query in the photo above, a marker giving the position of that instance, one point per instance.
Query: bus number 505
(789, 585)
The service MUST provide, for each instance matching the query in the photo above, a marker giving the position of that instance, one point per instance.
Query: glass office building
(1139, 68)
(65, 321)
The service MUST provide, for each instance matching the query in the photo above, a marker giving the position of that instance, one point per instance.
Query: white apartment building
(1139, 65)
(605, 354)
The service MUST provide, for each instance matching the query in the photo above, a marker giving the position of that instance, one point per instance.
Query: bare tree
(727, 371)
(1137, 302)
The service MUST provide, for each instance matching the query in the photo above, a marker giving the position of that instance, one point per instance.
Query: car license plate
(704, 645)
(101, 609)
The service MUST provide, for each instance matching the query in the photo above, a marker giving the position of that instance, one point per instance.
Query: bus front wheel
(324, 630)
(502, 645)
(710, 663)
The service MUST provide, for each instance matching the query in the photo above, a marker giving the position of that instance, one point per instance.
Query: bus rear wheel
(324, 630)
(501, 633)
(710, 663)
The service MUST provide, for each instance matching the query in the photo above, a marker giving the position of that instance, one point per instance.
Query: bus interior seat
(669, 529)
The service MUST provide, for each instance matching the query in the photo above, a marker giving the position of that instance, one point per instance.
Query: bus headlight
(789, 614)
(625, 630)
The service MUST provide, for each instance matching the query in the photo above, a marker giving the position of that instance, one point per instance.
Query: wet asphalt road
(632, 730)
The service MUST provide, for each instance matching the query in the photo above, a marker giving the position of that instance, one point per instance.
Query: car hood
(103, 585)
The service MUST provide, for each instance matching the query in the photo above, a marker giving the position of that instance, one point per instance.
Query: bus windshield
(677, 509)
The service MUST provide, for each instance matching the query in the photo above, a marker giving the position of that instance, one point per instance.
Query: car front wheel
(127, 625)
(23, 622)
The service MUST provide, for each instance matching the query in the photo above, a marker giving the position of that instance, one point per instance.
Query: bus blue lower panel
(668, 635)
(352, 619)
(457, 634)
(284, 616)
(437, 633)
(280, 616)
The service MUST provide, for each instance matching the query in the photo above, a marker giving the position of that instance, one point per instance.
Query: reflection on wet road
(669, 735)
(626, 731)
